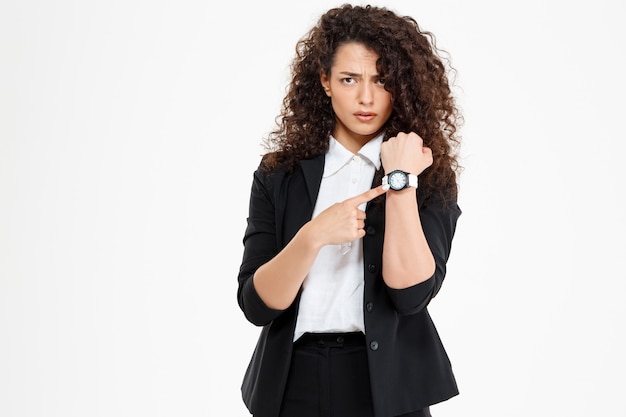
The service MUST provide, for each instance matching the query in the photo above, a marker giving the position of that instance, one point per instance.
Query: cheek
(387, 102)
(339, 102)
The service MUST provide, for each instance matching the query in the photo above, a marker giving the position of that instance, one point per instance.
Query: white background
(129, 131)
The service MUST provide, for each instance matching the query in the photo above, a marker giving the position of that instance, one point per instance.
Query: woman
(352, 214)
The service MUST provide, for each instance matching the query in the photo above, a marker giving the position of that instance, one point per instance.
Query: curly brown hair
(415, 74)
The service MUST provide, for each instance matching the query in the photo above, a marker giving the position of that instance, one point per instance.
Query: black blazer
(409, 368)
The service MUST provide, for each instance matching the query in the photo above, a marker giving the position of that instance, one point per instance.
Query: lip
(365, 116)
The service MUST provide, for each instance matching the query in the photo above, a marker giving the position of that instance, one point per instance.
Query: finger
(367, 196)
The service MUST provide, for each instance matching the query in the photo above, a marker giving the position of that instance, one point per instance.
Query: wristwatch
(399, 180)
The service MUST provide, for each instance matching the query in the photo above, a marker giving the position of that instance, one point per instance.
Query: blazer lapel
(312, 169)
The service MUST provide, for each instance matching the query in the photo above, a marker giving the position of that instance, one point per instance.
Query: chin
(372, 133)
(365, 132)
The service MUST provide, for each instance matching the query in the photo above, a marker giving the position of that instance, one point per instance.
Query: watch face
(398, 180)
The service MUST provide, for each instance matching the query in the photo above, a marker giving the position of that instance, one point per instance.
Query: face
(358, 95)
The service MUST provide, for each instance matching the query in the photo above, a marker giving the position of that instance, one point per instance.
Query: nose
(366, 94)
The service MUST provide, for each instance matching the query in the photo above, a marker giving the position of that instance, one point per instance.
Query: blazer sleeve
(260, 245)
(439, 219)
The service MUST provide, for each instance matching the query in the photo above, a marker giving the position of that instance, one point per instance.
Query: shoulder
(441, 191)
(268, 177)
(268, 167)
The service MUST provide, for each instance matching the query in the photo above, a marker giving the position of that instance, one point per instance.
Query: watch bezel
(394, 173)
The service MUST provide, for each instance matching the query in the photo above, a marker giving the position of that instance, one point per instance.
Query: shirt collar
(337, 156)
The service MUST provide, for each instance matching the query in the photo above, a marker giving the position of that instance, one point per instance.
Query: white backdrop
(129, 131)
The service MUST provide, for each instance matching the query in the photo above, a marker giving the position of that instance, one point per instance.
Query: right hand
(343, 222)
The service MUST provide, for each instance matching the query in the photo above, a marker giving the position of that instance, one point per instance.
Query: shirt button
(374, 345)
(371, 230)
(371, 268)
(354, 180)
(369, 307)
(340, 340)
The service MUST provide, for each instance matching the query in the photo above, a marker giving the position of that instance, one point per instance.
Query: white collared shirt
(332, 296)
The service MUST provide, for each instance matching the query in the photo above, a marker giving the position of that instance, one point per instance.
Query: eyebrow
(354, 74)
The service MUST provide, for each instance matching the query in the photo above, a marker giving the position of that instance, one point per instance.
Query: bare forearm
(407, 258)
(278, 281)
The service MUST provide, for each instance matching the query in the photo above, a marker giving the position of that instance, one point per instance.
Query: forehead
(354, 54)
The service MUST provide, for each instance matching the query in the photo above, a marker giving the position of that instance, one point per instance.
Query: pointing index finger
(367, 196)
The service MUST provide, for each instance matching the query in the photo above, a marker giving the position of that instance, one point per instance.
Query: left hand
(407, 152)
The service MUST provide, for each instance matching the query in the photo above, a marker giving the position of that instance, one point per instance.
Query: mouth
(365, 116)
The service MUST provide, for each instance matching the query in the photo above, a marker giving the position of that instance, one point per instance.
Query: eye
(380, 81)
(348, 80)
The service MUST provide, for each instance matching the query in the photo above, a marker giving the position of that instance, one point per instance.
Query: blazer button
(374, 345)
(369, 307)
(371, 230)
(372, 268)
